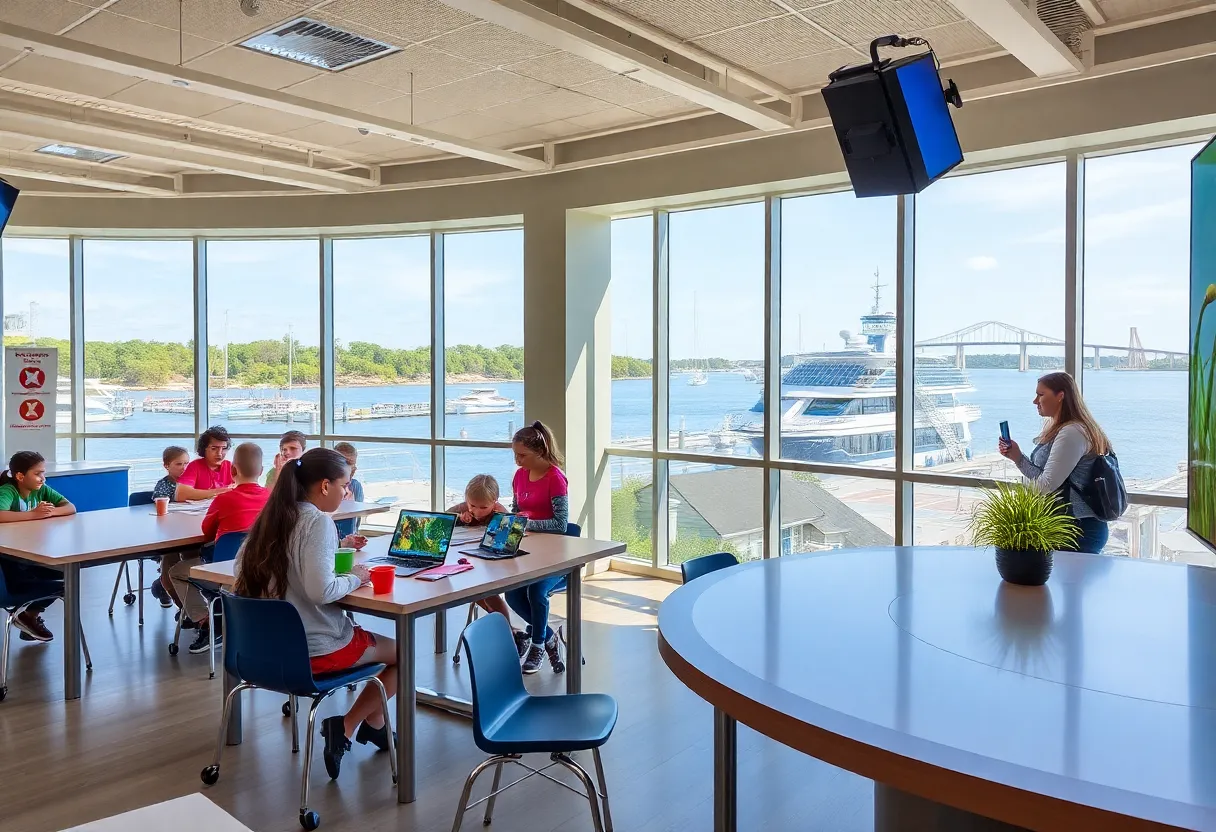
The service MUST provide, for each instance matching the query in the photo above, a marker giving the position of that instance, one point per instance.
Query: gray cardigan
(1064, 460)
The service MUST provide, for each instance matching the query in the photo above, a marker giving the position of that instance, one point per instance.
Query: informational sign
(31, 377)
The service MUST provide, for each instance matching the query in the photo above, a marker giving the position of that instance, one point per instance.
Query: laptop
(420, 541)
(501, 540)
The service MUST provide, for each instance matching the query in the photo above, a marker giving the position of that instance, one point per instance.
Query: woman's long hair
(264, 556)
(21, 462)
(537, 438)
(1072, 412)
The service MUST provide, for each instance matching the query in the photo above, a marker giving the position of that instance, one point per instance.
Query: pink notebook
(445, 571)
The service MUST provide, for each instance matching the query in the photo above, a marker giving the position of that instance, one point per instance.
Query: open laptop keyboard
(409, 563)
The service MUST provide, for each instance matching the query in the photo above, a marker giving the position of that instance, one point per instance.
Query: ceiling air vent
(82, 154)
(1066, 20)
(317, 44)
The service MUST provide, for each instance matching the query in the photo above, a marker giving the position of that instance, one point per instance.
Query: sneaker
(32, 627)
(202, 641)
(187, 623)
(522, 640)
(376, 736)
(160, 594)
(336, 744)
(536, 654)
(553, 649)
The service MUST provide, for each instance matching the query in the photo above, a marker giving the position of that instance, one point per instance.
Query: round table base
(896, 811)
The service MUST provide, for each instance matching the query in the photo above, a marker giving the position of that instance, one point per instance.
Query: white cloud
(981, 263)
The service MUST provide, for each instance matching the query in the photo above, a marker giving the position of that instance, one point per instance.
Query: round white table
(1085, 704)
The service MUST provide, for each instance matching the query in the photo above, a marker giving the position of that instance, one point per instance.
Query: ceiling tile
(561, 69)
(61, 75)
(620, 89)
(490, 44)
(477, 93)
(171, 99)
(429, 68)
(781, 39)
(217, 20)
(341, 91)
(812, 71)
(858, 21)
(547, 107)
(692, 20)
(405, 20)
(324, 134)
(1122, 9)
(134, 37)
(956, 39)
(43, 15)
(259, 119)
(469, 126)
(254, 68)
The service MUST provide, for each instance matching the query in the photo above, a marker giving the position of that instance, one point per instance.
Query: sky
(989, 246)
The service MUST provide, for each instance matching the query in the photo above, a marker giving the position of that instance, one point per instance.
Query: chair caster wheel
(351, 687)
(173, 648)
(310, 820)
(210, 775)
(129, 598)
(3, 692)
(287, 708)
(456, 658)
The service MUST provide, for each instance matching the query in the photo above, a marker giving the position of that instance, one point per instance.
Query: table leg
(897, 811)
(139, 592)
(406, 710)
(725, 772)
(71, 631)
(574, 623)
(441, 631)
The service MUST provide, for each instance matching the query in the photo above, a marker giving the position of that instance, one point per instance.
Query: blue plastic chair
(13, 604)
(265, 648)
(223, 548)
(695, 568)
(138, 498)
(508, 722)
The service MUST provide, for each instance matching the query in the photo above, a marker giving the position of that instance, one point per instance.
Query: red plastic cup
(382, 579)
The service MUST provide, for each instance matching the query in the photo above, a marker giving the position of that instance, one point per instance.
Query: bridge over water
(998, 334)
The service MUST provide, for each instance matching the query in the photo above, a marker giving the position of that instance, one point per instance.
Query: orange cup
(162, 506)
(382, 579)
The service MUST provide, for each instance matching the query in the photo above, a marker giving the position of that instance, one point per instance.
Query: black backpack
(1104, 493)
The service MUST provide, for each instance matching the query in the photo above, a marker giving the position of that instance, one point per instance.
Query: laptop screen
(422, 534)
(503, 533)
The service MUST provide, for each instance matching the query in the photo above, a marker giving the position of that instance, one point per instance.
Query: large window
(633, 331)
(382, 332)
(263, 329)
(716, 329)
(483, 288)
(837, 329)
(989, 312)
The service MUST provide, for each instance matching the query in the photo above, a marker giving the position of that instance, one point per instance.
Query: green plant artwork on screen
(1021, 518)
(1201, 452)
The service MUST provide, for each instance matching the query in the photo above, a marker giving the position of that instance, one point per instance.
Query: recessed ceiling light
(82, 154)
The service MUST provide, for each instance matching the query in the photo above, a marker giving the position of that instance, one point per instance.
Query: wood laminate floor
(147, 724)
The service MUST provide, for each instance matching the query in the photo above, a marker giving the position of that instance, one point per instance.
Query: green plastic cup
(344, 561)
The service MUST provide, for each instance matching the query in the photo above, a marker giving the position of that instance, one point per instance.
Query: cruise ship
(839, 406)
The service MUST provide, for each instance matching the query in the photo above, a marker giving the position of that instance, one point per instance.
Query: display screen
(8, 198)
(927, 108)
(1201, 452)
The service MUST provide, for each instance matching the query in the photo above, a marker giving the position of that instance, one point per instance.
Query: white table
(192, 813)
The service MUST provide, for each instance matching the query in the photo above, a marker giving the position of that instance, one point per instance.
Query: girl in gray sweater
(289, 554)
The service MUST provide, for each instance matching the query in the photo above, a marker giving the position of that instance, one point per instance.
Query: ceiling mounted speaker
(251, 7)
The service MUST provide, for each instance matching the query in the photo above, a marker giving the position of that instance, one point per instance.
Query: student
(480, 504)
(289, 554)
(291, 447)
(175, 459)
(211, 473)
(541, 495)
(1064, 454)
(231, 511)
(354, 490)
(24, 495)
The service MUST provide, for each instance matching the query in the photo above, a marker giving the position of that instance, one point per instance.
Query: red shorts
(347, 656)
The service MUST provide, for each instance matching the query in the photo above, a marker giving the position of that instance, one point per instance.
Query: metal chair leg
(312, 722)
(493, 795)
(599, 775)
(8, 625)
(141, 591)
(294, 704)
(211, 634)
(122, 567)
(469, 619)
(388, 723)
(468, 790)
(588, 787)
(223, 733)
(174, 646)
(84, 645)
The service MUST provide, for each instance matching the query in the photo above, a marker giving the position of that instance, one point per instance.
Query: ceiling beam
(97, 57)
(538, 24)
(42, 118)
(94, 176)
(1019, 30)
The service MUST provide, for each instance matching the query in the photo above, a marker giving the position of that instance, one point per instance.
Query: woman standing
(1064, 453)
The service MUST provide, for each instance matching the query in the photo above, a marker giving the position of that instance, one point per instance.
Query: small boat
(480, 400)
(697, 379)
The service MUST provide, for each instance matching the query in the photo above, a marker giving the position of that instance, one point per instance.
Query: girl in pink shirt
(541, 495)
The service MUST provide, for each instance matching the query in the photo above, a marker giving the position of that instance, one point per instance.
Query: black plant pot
(1022, 567)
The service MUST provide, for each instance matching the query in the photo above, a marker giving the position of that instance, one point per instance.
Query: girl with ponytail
(289, 554)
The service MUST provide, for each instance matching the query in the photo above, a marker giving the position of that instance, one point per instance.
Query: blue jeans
(531, 603)
(1094, 534)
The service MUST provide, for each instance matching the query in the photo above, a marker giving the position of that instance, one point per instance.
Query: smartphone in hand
(1005, 431)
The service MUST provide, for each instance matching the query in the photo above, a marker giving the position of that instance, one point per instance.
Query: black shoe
(376, 736)
(159, 593)
(536, 654)
(553, 649)
(202, 641)
(32, 627)
(522, 640)
(187, 623)
(336, 744)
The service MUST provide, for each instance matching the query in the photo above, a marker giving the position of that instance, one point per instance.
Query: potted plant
(1025, 526)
